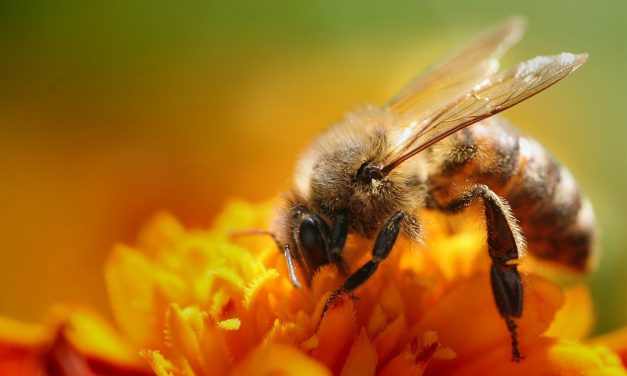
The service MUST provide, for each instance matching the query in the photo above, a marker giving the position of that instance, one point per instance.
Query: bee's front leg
(382, 247)
(505, 246)
(337, 242)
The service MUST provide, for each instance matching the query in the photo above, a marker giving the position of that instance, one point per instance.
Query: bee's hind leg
(382, 246)
(505, 246)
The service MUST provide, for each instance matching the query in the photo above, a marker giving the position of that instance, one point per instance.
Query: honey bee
(438, 145)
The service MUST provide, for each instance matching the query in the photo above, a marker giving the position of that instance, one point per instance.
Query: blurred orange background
(110, 112)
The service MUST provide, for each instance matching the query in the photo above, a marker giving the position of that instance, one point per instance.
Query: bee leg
(337, 242)
(504, 246)
(382, 246)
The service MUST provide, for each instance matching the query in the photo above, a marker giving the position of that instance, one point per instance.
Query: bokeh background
(110, 111)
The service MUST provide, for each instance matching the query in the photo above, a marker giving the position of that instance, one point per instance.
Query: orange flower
(204, 303)
(72, 342)
(226, 306)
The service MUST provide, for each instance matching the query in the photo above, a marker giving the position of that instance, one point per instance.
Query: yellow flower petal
(94, 337)
(160, 365)
(183, 330)
(387, 342)
(466, 318)
(576, 318)
(281, 360)
(251, 291)
(546, 357)
(20, 346)
(132, 286)
(362, 358)
(415, 358)
(161, 233)
(73, 341)
(616, 341)
(215, 356)
(336, 335)
(21, 334)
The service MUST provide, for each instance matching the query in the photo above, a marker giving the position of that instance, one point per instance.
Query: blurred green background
(112, 110)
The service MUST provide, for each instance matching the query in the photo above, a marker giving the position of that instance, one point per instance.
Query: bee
(438, 145)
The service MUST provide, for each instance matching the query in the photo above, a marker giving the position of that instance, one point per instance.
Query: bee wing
(472, 63)
(483, 100)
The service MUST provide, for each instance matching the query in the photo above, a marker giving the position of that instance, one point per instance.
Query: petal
(160, 365)
(416, 357)
(576, 318)
(75, 341)
(387, 342)
(403, 364)
(140, 293)
(183, 328)
(455, 256)
(336, 335)
(616, 341)
(215, 356)
(466, 318)
(95, 338)
(362, 358)
(239, 214)
(21, 363)
(547, 357)
(326, 279)
(18, 334)
(252, 290)
(130, 284)
(377, 321)
(276, 359)
(161, 232)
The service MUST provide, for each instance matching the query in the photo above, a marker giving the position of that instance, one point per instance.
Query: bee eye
(311, 240)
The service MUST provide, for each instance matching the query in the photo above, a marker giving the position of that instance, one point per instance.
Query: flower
(226, 306)
(203, 302)
(73, 341)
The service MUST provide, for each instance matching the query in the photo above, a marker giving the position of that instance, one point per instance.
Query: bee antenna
(386, 169)
(290, 266)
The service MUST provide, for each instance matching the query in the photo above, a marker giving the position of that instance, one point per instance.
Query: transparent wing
(472, 63)
(485, 99)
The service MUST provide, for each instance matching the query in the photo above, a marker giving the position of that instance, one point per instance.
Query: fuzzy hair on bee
(440, 145)
(328, 174)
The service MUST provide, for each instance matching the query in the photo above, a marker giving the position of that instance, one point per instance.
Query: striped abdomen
(557, 222)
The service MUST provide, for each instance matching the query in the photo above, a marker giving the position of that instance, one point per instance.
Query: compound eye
(311, 240)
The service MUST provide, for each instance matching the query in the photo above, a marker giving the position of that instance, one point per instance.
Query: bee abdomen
(557, 222)
(486, 153)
